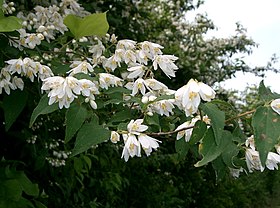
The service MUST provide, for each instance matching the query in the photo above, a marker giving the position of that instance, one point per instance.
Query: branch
(169, 132)
(241, 115)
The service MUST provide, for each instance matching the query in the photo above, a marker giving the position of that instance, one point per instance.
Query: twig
(241, 115)
(169, 132)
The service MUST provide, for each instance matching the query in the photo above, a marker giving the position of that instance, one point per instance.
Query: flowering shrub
(101, 89)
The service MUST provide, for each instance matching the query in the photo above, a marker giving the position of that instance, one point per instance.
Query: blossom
(206, 93)
(189, 96)
(61, 90)
(88, 87)
(253, 160)
(272, 160)
(106, 80)
(139, 85)
(80, 67)
(153, 84)
(148, 143)
(275, 105)
(187, 132)
(136, 127)
(97, 50)
(132, 146)
(115, 137)
(149, 49)
(166, 63)
(126, 44)
(163, 107)
(136, 71)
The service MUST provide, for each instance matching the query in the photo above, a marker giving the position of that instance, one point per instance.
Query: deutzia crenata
(148, 143)
(189, 96)
(166, 63)
(275, 105)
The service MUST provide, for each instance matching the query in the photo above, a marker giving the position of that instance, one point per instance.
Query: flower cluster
(65, 90)
(188, 127)
(253, 159)
(189, 96)
(134, 139)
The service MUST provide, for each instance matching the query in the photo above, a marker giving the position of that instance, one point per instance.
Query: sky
(262, 21)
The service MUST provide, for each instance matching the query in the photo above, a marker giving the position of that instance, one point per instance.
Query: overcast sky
(262, 20)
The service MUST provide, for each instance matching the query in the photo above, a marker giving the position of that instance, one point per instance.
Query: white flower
(163, 107)
(187, 132)
(131, 147)
(115, 137)
(148, 143)
(136, 71)
(275, 105)
(15, 65)
(139, 85)
(80, 67)
(87, 87)
(153, 84)
(235, 172)
(250, 142)
(32, 40)
(97, 50)
(106, 80)
(136, 127)
(272, 160)
(61, 90)
(18, 83)
(166, 63)
(129, 57)
(149, 49)
(126, 44)
(111, 63)
(253, 160)
(187, 97)
(206, 93)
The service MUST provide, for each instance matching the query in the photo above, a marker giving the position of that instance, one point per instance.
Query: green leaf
(12, 188)
(209, 149)
(266, 125)
(266, 94)
(229, 154)
(198, 132)
(182, 147)
(1, 9)
(9, 24)
(94, 24)
(74, 119)
(217, 119)
(90, 134)
(42, 108)
(121, 116)
(13, 105)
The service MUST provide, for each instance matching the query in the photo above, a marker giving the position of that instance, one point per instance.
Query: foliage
(77, 102)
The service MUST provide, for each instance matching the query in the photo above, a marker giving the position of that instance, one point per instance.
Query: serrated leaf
(90, 134)
(74, 119)
(13, 105)
(229, 153)
(266, 125)
(94, 24)
(9, 24)
(42, 108)
(209, 149)
(198, 132)
(266, 94)
(217, 119)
